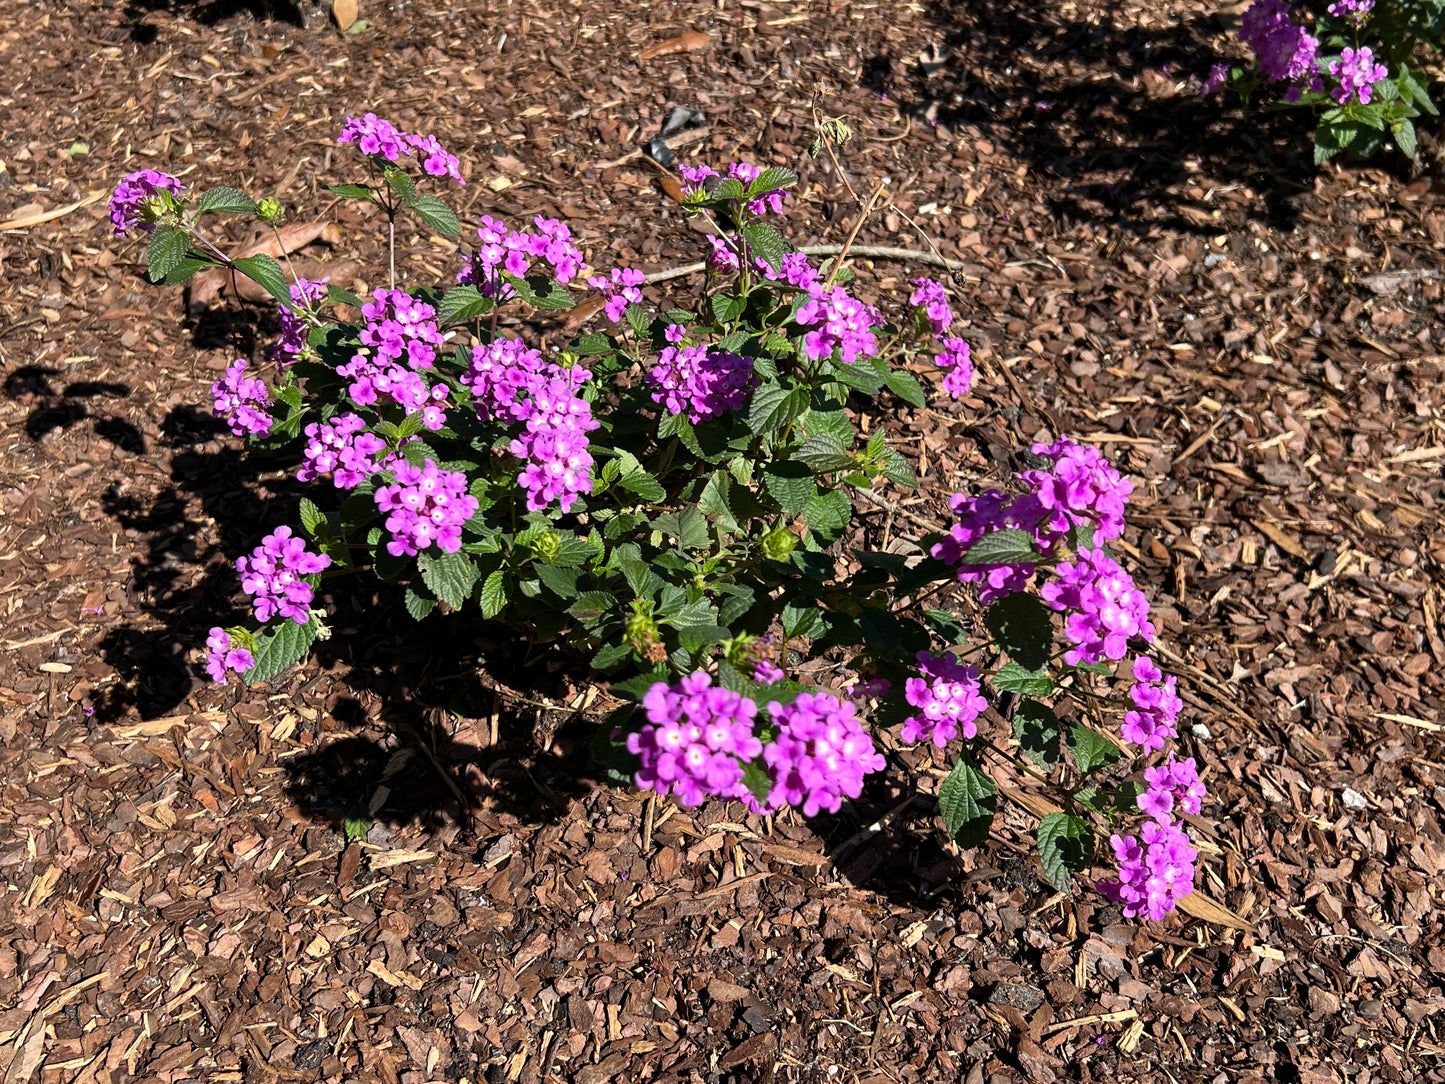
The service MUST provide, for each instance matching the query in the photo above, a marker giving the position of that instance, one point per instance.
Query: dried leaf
(686, 42)
(344, 12)
(1198, 905)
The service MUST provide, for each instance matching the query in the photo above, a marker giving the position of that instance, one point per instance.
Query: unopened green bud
(778, 543)
(269, 210)
(547, 545)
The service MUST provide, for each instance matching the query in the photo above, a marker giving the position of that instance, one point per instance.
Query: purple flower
(1214, 80)
(342, 448)
(820, 755)
(839, 322)
(274, 575)
(1357, 72)
(1169, 786)
(1080, 489)
(1351, 9)
(296, 324)
(1286, 53)
(512, 251)
(793, 270)
(131, 204)
(621, 288)
(949, 701)
(931, 299)
(698, 178)
(1154, 874)
(1156, 706)
(701, 381)
(765, 673)
(957, 365)
(427, 507)
(981, 515)
(435, 160)
(695, 740)
(1103, 609)
(375, 137)
(223, 657)
(241, 401)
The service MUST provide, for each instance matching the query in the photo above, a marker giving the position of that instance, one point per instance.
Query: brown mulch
(1256, 343)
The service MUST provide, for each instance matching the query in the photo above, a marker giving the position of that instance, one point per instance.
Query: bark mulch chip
(1253, 342)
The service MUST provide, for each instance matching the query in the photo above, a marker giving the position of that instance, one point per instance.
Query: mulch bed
(1257, 344)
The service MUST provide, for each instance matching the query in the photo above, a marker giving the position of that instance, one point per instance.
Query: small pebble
(1353, 799)
(1199, 730)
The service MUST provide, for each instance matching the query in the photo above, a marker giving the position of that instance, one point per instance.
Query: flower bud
(778, 544)
(269, 210)
(640, 630)
(546, 546)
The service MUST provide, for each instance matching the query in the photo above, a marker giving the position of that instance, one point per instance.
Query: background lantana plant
(671, 499)
(1355, 64)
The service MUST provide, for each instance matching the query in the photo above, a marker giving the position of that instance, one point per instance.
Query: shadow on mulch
(998, 72)
(302, 13)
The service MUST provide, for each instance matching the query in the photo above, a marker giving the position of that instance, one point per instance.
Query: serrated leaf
(1022, 626)
(335, 295)
(1091, 751)
(358, 822)
(714, 501)
(766, 242)
(905, 385)
(401, 184)
(451, 577)
(1066, 846)
(267, 274)
(770, 180)
(790, 483)
(227, 201)
(824, 452)
(593, 607)
(1006, 547)
(644, 485)
(773, 406)
(182, 272)
(898, 470)
(280, 648)
(945, 624)
(1037, 729)
(494, 594)
(351, 191)
(694, 638)
(758, 781)
(311, 516)
(1013, 678)
(419, 606)
(687, 525)
(1081, 537)
(437, 215)
(165, 250)
(828, 515)
(967, 799)
(726, 307)
(1404, 133)
(799, 616)
(460, 304)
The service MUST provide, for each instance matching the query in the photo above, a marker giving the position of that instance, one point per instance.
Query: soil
(1257, 343)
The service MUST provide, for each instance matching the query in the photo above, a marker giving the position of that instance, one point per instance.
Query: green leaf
(949, 627)
(694, 638)
(402, 184)
(335, 295)
(800, 614)
(1404, 133)
(827, 516)
(451, 577)
(280, 648)
(766, 242)
(1037, 729)
(714, 501)
(165, 250)
(593, 607)
(758, 781)
(494, 594)
(351, 191)
(437, 215)
(898, 470)
(773, 406)
(183, 271)
(562, 582)
(226, 201)
(968, 800)
(770, 180)
(905, 385)
(460, 304)
(824, 452)
(1413, 90)
(644, 485)
(1013, 678)
(1066, 846)
(727, 307)
(687, 525)
(311, 516)
(1006, 547)
(1022, 626)
(540, 292)
(419, 606)
(267, 274)
(358, 822)
(1091, 750)
(790, 483)
(1081, 537)
(611, 657)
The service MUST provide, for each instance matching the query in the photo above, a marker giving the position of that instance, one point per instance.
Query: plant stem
(857, 225)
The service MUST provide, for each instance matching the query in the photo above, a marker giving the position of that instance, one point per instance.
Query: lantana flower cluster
(242, 401)
(1357, 73)
(275, 574)
(379, 138)
(838, 321)
(427, 507)
(697, 178)
(294, 342)
(343, 448)
(223, 655)
(1286, 52)
(1156, 870)
(1103, 609)
(700, 381)
(930, 299)
(504, 249)
(136, 201)
(512, 381)
(621, 288)
(698, 737)
(949, 699)
(1150, 722)
(399, 329)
